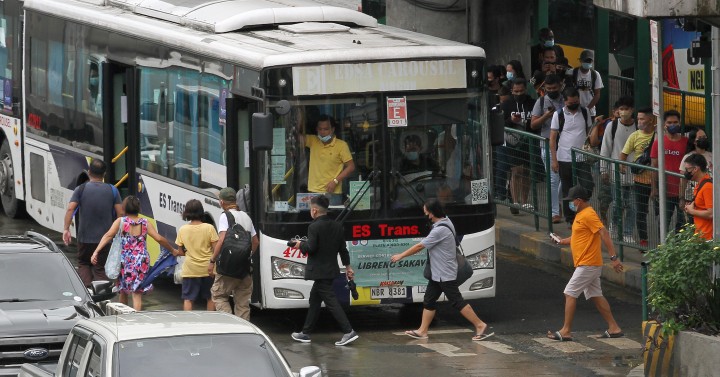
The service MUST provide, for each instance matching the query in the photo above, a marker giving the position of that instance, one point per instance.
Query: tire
(10, 203)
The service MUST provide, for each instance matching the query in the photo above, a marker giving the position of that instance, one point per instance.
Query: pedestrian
(596, 139)
(196, 242)
(134, 257)
(701, 206)
(587, 81)
(613, 142)
(542, 115)
(546, 40)
(587, 233)
(500, 154)
(569, 129)
(636, 146)
(225, 286)
(675, 148)
(518, 113)
(444, 268)
(98, 203)
(325, 241)
(697, 144)
(494, 74)
(513, 70)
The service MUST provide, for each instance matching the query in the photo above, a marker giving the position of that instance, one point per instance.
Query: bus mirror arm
(355, 200)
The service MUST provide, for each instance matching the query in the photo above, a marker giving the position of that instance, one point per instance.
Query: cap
(227, 194)
(577, 192)
(587, 55)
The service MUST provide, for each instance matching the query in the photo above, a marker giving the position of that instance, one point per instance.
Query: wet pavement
(529, 302)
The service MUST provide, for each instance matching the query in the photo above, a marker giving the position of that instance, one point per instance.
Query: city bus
(183, 98)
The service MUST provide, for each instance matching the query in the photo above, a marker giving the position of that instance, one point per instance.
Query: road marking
(567, 347)
(620, 343)
(446, 349)
(499, 347)
(438, 332)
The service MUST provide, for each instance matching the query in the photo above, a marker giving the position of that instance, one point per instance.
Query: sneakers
(346, 339)
(514, 210)
(643, 243)
(528, 207)
(300, 337)
(628, 239)
(557, 219)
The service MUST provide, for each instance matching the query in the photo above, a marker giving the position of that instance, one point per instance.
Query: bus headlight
(285, 269)
(483, 259)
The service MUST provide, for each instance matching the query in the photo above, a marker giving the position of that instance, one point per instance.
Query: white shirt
(583, 85)
(613, 148)
(573, 134)
(240, 218)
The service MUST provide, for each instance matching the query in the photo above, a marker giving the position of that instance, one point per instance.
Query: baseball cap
(587, 55)
(577, 192)
(227, 194)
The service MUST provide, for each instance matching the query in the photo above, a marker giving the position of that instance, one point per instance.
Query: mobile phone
(555, 237)
(551, 108)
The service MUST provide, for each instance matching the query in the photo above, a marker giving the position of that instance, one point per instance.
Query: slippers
(413, 334)
(481, 337)
(557, 336)
(607, 335)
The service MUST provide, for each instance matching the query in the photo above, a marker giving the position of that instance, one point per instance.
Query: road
(529, 302)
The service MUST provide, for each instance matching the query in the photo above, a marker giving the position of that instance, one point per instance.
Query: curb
(535, 244)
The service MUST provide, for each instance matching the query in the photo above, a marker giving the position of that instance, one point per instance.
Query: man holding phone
(542, 114)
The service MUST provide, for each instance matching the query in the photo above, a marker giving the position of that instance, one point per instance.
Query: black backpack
(236, 251)
(561, 122)
(644, 158)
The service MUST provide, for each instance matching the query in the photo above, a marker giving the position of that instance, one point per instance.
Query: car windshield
(199, 355)
(37, 277)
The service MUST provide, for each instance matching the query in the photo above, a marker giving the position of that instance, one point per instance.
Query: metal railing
(521, 180)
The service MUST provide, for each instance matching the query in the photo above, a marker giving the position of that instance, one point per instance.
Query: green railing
(521, 181)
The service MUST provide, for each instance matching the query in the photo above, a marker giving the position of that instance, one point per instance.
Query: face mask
(641, 126)
(550, 43)
(325, 139)
(412, 156)
(673, 129)
(573, 107)
(553, 95)
(625, 114)
(510, 75)
(688, 175)
(94, 81)
(572, 207)
(702, 143)
(519, 98)
(587, 65)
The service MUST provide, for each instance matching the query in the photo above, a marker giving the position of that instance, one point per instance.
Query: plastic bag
(177, 275)
(112, 264)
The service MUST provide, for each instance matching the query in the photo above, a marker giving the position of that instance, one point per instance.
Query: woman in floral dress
(135, 260)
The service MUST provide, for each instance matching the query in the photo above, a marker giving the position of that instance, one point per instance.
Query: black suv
(41, 298)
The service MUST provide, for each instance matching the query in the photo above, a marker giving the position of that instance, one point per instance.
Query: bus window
(94, 102)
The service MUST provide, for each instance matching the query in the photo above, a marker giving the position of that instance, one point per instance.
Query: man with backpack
(613, 142)
(231, 263)
(587, 81)
(637, 150)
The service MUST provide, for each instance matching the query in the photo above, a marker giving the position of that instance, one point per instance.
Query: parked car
(168, 344)
(41, 299)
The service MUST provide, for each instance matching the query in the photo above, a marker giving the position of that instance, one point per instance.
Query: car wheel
(10, 203)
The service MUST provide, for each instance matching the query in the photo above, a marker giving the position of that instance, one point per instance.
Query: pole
(658, 106)
(715, 71)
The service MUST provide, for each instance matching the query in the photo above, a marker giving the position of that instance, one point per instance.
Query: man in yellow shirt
(330, 159)
(587, 232)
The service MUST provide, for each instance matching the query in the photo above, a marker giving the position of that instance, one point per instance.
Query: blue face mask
(94, 81)
(550, 43)
(674, 129)
(325, 139)
(572, 207)
(412, 156)
(587, 65)
(510, 75)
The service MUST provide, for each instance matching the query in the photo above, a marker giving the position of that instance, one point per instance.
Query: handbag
(112, 264)
(177, 273)
(592, 153)
(464, 271)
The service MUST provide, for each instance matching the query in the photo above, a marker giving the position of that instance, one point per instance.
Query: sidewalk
(518, 233)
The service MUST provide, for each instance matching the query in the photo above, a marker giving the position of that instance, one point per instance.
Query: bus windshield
(436, 153)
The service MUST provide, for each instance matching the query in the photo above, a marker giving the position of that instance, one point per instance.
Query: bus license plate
(388, 292)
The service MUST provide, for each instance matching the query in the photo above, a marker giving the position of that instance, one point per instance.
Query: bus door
(121, 126)
(238, 117)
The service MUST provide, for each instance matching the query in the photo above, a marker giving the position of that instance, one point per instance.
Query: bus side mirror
(262, 131)
(497, 127)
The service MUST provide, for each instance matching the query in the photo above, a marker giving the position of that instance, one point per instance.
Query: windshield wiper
(15, 299)
(355, 200)
(410, 190)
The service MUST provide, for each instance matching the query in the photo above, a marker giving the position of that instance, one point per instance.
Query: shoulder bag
(464, 271)
(112, 264)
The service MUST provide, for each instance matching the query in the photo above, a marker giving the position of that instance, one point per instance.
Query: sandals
(557, 336)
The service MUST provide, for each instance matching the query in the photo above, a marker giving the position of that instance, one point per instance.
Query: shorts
(194, 288)
(585, 279)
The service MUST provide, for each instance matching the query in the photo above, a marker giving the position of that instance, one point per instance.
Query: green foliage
(680, 284)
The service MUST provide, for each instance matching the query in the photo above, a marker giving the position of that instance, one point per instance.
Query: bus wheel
(10, 203)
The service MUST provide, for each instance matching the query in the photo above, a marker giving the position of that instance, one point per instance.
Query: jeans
(584, 179)
(642, 204)
(624, 200)
(502, 168)
(554, 186)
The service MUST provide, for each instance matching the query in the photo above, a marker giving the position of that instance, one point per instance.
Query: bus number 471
(291, 252)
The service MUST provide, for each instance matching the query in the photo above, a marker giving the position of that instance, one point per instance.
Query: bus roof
(258, 33)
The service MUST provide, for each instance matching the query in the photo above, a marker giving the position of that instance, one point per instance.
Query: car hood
(31, 320)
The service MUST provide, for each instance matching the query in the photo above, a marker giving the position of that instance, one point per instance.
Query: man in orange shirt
(587, 232)
(701, 206)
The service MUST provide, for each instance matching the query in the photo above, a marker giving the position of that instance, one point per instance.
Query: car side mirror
(497, 127)
(102, 290)
(262, 131)
(311, 371)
